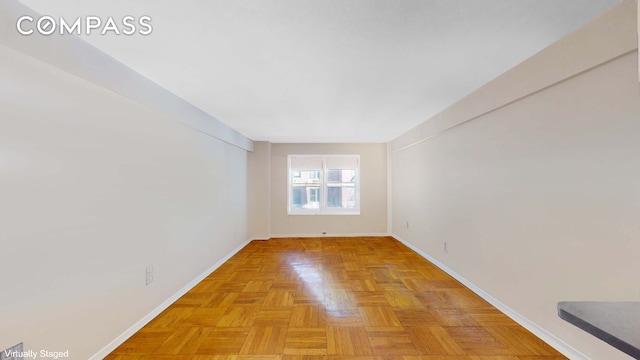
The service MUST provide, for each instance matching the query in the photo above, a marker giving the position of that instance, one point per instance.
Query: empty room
(307, 180)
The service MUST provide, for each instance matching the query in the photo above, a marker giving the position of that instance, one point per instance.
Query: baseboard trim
(160, 308)
(330, 235)
(566, 349)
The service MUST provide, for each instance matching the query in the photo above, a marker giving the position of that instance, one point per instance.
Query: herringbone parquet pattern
(331, 298)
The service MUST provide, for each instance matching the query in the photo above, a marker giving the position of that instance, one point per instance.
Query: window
(324, 184)
(314, 195)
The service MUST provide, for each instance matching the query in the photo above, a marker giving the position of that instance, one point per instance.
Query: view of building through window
(305, 189)
(323, 184)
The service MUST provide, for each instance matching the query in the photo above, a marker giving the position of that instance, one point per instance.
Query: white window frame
(323, 192)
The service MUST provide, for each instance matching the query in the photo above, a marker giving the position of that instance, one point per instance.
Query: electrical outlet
(407, 224)
(446, 249)
(16, 352)
(149, 275)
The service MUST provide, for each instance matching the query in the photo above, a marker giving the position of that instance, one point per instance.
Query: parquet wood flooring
(368, 298)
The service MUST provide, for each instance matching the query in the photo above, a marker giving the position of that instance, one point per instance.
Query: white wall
(533, 181)
(94, 188)
(373, 193)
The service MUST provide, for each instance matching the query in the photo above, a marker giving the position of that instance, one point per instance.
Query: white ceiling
(328, 70)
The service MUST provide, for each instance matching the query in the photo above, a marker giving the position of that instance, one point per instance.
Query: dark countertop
(616, 323)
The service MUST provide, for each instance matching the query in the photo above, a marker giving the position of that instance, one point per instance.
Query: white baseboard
(165, 304)
(566, 349)
(329, 235)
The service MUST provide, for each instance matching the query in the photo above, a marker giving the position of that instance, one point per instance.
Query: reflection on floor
(331, 298)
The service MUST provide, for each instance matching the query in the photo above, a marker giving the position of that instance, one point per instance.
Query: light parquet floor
(331, 298)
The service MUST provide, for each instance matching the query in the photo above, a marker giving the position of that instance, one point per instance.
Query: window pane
(341, 188)
(299, 198)
(305, 177)
(305, 197)
(334, 196)
(341, 197)
(341, 175)
(334, 175)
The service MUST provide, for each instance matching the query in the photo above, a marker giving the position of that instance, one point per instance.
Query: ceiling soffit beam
(73, 55)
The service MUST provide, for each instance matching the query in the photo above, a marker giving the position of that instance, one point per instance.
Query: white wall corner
(389, 188)
(268, 178)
